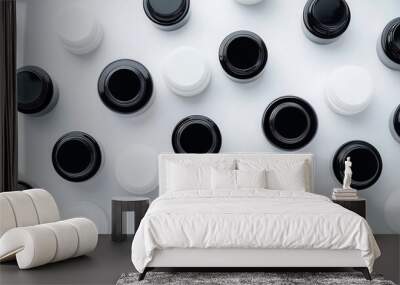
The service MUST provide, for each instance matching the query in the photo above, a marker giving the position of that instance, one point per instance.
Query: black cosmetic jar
(196, 134)
(395, 124)
(325, 20)
(366, 163)
(126, 86)
(36, 92)
(76, 156)
(243, 56)
(388, 45)
(167, 14)
(289, 122)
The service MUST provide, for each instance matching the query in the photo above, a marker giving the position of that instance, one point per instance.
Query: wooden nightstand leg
(140, 211)
(116, 228)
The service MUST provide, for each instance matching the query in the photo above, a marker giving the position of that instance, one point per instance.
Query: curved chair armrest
(37, 245)
(88, 235)
(32, 246)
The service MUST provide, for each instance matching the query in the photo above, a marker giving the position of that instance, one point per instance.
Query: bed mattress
(250, 219)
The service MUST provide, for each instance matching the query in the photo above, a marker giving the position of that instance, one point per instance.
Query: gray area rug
(243, 278)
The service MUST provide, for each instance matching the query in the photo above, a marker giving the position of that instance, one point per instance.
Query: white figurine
(348, 173)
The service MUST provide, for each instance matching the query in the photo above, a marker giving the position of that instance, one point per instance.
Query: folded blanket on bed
(253, 218)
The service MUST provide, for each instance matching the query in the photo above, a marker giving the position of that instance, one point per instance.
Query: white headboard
(164, 158)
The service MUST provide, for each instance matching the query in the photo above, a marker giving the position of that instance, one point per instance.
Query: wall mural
(126, 86)
(36, 92)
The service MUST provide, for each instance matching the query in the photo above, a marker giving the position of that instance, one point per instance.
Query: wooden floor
(110, 260)
(103, 266)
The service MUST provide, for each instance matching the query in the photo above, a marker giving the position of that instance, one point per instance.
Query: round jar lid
(326, 19)
(289, 122)
(395, 123)
(136, 169)
(35, 89)
(166, 13)
(79, 30)
(243, 55)
(349, 90)
(392, 210)
(366, 163)
(125, 86)
(90, 211)
(186, 72)
(390, 40)
(196, 134)
(249, 2)
(76, 156)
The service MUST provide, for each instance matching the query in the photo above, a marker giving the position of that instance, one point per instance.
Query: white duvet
(250, 219)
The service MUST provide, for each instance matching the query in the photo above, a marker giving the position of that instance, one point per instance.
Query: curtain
(8, 101)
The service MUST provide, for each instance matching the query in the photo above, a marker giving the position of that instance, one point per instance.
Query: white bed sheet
(251, 218)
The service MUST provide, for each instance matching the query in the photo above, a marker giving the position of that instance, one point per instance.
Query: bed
(247, 210)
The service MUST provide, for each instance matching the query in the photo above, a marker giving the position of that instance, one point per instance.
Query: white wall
(295, 66)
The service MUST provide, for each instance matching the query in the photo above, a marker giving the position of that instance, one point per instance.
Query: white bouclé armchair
(31, 231)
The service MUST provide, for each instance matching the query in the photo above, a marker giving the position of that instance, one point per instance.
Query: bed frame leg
(364, 271)
(143, 274)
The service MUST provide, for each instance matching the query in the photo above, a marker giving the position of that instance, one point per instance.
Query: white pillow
(183, 178)
(292, 179)
(283, 174)
(251, 178)
(223, 179)
(189, 174)
(226, 179)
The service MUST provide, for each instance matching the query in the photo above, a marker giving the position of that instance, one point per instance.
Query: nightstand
(358, 206)
(119, 205)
